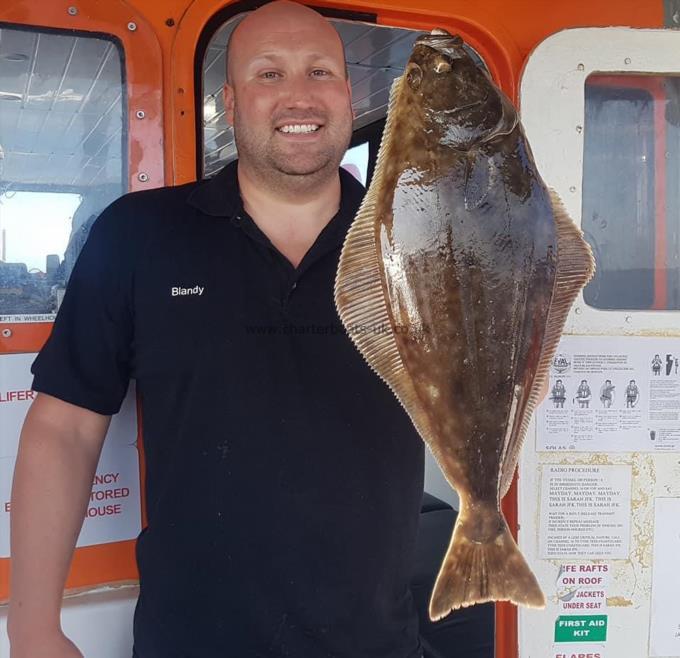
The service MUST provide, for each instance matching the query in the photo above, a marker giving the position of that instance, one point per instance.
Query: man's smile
(299, 128)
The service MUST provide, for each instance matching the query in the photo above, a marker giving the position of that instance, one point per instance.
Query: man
(284, 480)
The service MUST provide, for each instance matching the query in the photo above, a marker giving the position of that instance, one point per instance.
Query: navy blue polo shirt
(284, 480)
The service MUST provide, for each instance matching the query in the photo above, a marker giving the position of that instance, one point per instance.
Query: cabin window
(376, 55)
(631, 195)
(62, 158)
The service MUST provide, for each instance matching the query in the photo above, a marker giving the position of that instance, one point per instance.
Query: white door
(599, 496)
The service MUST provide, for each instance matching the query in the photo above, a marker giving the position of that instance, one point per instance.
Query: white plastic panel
(552, 100)
(114, 510)
(616, 584)
(100, 623)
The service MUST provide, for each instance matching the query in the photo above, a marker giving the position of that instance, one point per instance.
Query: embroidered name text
(196, 290)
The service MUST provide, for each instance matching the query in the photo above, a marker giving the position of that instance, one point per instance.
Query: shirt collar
(219, 196)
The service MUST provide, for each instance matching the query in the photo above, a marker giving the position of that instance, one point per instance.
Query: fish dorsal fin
(575, 267)
(360, 294)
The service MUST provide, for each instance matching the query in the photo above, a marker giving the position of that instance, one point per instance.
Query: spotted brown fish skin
(460, 242)
(460, 262)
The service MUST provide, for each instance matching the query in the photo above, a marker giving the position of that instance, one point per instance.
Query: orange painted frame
(106, 563)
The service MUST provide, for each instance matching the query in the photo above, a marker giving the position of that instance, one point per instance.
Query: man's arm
(58, 454)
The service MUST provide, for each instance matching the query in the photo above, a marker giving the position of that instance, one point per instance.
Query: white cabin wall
(100, 623)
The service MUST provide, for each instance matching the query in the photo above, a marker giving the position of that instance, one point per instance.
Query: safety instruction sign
(25, 318)
(581, 628)
(583, 587)
(114, 510)
(612, 394)
(585, 512)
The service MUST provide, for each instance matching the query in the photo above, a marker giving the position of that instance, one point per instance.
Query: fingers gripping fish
(461, 248)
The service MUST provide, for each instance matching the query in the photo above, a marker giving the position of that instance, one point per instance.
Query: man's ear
(228, 94)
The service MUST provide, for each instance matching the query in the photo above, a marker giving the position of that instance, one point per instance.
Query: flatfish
(454, 282)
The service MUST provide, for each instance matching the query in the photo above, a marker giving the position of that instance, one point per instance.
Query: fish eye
(442, 66)
(414, 76)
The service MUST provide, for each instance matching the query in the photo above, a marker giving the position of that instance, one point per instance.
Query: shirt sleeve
(86, 359)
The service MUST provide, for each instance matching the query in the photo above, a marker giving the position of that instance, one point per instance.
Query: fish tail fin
(476, 571)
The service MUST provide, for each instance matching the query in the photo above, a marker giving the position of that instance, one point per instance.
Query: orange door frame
(115, 562)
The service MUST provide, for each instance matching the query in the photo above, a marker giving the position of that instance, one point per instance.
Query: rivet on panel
(629, 319)
(580, 67)
(170, 22)
(6, 333)
(143, 177)
(577, 310)
(627, 60)
(140, 114)
(572, 188)
(132, 26)
(73, 11)
(579, 129)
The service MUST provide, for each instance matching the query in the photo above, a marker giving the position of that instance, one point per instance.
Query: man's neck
(291, 219)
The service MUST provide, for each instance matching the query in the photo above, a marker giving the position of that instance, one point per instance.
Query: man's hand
(36, 645)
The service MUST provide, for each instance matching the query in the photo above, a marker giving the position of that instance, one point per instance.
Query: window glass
(356, 162)
(62, 159)
(218, 139)
(631, 191)
(375, 54)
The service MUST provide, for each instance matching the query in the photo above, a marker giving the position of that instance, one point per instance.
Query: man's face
(288, 98)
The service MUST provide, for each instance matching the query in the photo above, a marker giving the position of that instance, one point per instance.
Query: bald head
(288, 98)
(280, 16)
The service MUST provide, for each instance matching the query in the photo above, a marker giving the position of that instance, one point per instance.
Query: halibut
(472, 264)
